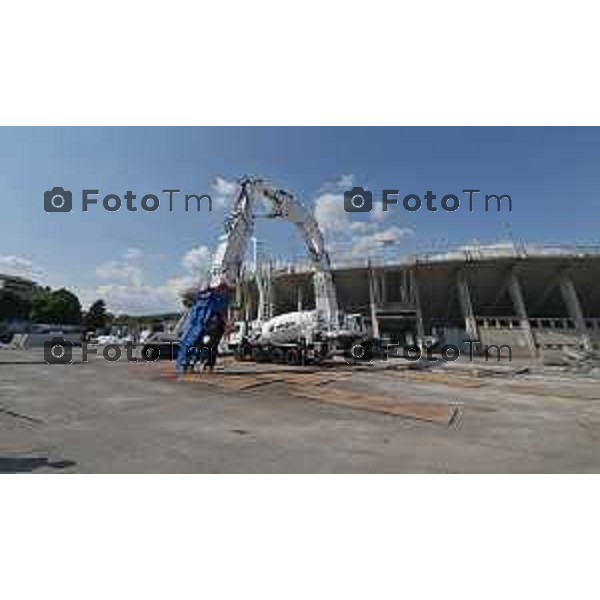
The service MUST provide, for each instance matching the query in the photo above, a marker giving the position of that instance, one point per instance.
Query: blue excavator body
(209, 305)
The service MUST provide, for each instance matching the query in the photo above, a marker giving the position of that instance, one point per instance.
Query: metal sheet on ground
(441, 414)
(228, 383)
(315, 386)
(436, 378)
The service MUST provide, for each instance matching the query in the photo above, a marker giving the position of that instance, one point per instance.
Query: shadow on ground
(29, 465)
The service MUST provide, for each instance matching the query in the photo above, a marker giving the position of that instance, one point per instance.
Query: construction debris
(582, 361)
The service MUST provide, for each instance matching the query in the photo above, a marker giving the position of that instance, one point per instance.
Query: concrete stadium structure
(536, 299)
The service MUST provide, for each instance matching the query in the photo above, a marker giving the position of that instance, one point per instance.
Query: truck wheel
(278, 355)
(243, 353)
(292, 357)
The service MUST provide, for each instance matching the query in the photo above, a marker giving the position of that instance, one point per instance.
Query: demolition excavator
(294, 338)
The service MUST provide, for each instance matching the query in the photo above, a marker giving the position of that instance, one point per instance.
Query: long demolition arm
(229, 257)
(240, 226)
(283, 204)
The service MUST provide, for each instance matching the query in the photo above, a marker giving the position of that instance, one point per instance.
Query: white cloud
(342, 183)
(362, 227)
(127, 270)
(348, 237)
(378, 214)
(368, 245)
(196, 264)
(330, 214)
(20, 266)
(382, 238)
(197, 260)
(119, 271)
(124, 287)
(133, 253)
(224, 192)
(140, 299)
(333, 218)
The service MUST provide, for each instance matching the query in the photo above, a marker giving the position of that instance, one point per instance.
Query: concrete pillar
(569, 294)
(262, 299)
(418, 308)
(373, 303)
(299, 296)
(269, 293)
(403, 284)
(516, 294)
(238, 292)
(247, 303)
(466, 306)
(382, 287)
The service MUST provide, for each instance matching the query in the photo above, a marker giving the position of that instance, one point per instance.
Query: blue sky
(139, 260)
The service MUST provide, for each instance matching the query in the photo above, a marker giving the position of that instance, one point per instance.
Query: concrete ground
(103, 417)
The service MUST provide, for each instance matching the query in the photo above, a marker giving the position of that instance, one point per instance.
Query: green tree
(39, 304)
(13, 306)
(96, 317)
(56, 307)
